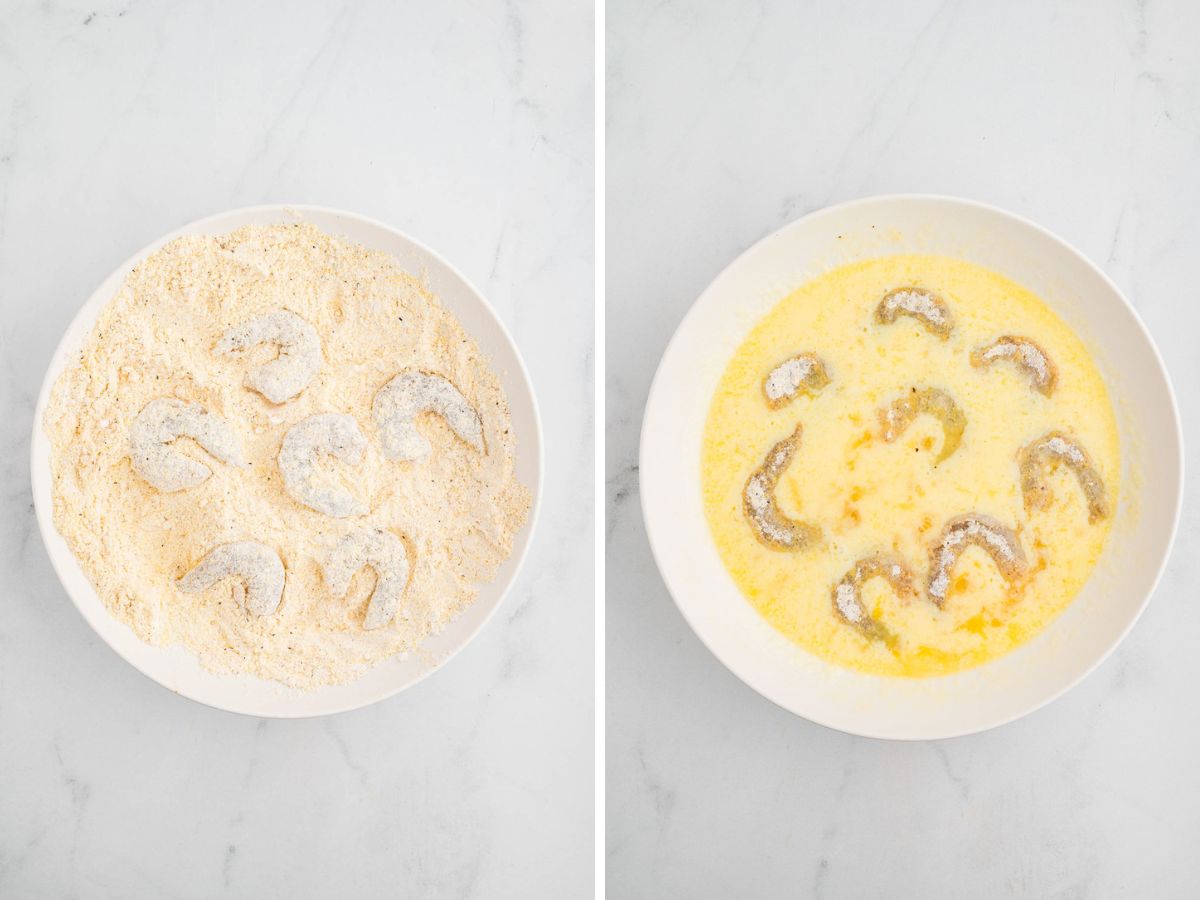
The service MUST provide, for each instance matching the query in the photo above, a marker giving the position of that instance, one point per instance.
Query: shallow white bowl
(176, 668)
(1039, 670)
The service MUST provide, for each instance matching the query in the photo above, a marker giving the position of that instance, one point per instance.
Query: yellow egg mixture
(868, 495)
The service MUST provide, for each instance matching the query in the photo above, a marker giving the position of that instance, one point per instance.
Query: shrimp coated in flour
(847, 593)
(255, 565)
(803, 373)
(1038, 457)
(1026, 354)
(973, 529)
(925, 306)
(282, 378)
(770, 525)
(411, 393)
(381, 551)
(332, 434)
(159, 424)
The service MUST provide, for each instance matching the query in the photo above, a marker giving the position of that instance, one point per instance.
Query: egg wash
(910, 466)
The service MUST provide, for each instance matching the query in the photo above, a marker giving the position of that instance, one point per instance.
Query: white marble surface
(725, 122)
(467, 124)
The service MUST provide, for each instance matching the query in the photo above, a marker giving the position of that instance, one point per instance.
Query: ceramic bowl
(1037, 671)
(177, 669)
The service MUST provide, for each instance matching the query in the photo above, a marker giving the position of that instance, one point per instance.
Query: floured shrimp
(159, 424)
(332, 434)
(973, 529)
(925, 306)
(1026, 354)
(411, 393)
(769, 525)
(803, 373)
(256, 566)
(299, 358)
(383, 552)
(1038, 457)
(900, 413)
(847, 593)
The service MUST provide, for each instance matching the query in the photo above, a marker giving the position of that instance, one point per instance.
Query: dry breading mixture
(456, 511)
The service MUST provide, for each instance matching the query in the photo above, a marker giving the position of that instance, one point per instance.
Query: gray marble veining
(468, 125)
(727, 121)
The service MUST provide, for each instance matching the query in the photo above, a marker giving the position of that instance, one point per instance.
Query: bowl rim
(45, 517)
(949, 200)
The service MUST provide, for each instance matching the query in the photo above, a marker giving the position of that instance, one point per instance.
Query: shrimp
(334, 434)
(999, 541)
(411, 393)
(154, 431)
(299, 358)
(383, 552)
(769, 525)
(1026, 354)
(847, 593)
(803, 373)
(896, 417)
(1035, 458)
(925, 306)
(256, 565)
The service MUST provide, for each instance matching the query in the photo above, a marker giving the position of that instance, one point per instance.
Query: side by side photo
(598, 449)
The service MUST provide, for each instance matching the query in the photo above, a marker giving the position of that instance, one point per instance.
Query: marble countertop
(724, 123)
(466, 124)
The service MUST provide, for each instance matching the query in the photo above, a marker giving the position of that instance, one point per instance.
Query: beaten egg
(866, 493)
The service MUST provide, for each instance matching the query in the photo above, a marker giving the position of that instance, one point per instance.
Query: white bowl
(177, 669)
(1039, 670)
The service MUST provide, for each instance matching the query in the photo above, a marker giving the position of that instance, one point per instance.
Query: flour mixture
(279, 450)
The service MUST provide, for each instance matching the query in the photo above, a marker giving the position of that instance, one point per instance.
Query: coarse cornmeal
(456, 511)
(901, 381)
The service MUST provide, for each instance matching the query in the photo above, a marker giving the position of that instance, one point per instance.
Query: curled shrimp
(256, 566)
(847, 593)
(411, 393)
(973, 529)
(900, 413)
(768, 523)
(154, 431)
(299, 358)
(803, 373)
(1054, 448)
(381, 551)
(925, 306)
(332, 434)
(1028, 356)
